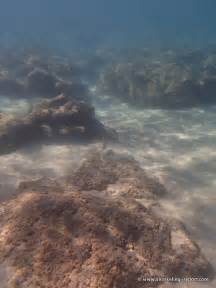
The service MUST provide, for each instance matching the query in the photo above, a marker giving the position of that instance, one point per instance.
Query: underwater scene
(107, 144)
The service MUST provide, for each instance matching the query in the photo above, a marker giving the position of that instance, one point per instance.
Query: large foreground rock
(79, 239)
(58, 119)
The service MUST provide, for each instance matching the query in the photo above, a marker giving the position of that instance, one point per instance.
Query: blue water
(68, 24)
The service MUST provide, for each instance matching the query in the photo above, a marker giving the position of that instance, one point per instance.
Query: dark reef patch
(34, 75)
(168, 80)
(59, 119)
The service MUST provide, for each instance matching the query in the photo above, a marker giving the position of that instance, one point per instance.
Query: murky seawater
(179, 147)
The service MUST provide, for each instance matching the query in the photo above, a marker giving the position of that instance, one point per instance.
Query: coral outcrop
(57, 119)
(28, 76)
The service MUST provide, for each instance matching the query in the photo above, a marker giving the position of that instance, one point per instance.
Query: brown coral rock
(61, 237)
(56, 119)
(83, 240)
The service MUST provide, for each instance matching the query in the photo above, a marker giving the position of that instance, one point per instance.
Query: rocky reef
(92, 231)
(33, 75)
(170, 79)
(162, 79)
(58, 119)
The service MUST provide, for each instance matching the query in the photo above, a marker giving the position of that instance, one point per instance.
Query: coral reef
(52, 120)
(37, 76)
(178, 80)
(68, 238)
(166, 79)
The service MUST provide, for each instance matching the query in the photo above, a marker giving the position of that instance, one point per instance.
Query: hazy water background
(67, 24)
(179, 147)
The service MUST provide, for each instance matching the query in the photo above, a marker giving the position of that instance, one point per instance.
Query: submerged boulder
(58, 119)
(68, 238)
